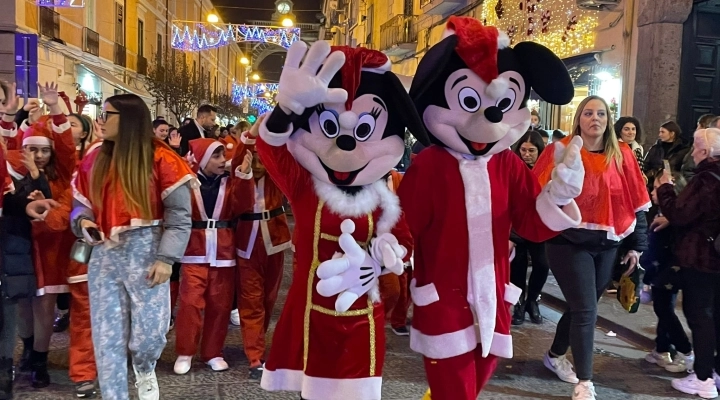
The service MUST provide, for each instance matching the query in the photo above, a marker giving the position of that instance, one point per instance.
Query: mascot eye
(365, 127)
(469, 99)
(506, 103)
(329, 124)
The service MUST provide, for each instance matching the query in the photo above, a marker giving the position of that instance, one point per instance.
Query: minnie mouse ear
(545, 73)
(434, 61)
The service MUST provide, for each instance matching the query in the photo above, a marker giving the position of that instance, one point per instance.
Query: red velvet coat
(460, 212)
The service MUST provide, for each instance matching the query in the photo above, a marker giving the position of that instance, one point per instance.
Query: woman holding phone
(132, 202)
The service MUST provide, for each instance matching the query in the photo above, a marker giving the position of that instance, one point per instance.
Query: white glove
(388, 252)
(569, 172)
(303, 86)
(349, 275)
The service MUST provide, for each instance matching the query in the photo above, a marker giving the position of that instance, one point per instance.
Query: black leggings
(583, 275)
(63, 301)
(670, 331)
(701, 306)
(519, 266)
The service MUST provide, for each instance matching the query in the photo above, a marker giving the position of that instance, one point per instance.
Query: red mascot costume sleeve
(462, 195)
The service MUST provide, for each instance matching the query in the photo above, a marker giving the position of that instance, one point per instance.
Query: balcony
(439, 7)
(399, 35)
(120, 55)
(91, 41)
(142, 65)
(49, 23)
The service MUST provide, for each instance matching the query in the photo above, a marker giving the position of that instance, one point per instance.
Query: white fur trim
(64, 127)
(502, 346)
(185, 179)
(423, 295)
(497, 87)
(243, 175)
(512, 254)
(481, 278)
(54, 289)
(381, 69)
(447, 32)
(645, 207)
(443, 346)
(208, 153)
(362, 203)
(229, 146)
(246, 139)
(512, 293)
(272, 138)
(37, 141)
(554, 217)
(12, 171)
(503, 40)
(322, 388)
(77, 279)
(260, 204)
(205, 260)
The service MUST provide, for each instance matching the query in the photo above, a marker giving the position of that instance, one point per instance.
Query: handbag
(81, 251)
(628, 293)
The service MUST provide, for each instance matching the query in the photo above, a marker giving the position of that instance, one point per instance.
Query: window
(90, 14)
(369, 26)
(159, 47)
(141, 38)
(119, 24)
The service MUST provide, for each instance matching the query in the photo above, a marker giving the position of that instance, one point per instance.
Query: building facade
(103, 47)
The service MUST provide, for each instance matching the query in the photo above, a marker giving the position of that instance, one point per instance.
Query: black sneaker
(401, 331)
(533, 309)
(256, 372)
(85, 390)
(518, 317)
(62, 321)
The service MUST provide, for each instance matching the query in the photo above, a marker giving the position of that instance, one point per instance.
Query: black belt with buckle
(213, 224)
(263, 216)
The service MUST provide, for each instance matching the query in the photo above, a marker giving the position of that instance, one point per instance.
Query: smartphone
(666, 165)
(94, 234)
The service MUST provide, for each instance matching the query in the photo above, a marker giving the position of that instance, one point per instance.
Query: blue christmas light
(256, 94)
(198, 36)
(60, 3)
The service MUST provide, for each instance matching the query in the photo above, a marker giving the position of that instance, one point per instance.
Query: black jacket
(188, 133)
(654, 158)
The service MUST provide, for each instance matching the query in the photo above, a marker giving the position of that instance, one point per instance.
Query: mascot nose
(493, 114)
(346, 142)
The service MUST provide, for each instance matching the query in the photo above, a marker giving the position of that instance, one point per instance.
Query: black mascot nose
(493, 114)
(346, 142)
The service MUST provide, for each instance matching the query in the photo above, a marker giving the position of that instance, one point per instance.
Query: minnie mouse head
(471, 89)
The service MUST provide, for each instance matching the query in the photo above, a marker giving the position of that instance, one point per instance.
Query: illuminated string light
(560, 35)
(259, 95)
(198, 36)
(60, 3)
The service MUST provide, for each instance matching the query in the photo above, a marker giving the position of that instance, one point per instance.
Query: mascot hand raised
(569, 173)
(387, 251)
(302, 86)
(349, 275)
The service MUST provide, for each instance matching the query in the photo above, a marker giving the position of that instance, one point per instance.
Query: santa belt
(213, 224)
(262, 216)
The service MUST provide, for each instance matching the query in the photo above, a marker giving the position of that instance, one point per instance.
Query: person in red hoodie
(208, 266)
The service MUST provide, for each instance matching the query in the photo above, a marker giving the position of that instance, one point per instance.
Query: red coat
(327, 354)
(441, 193)
(211, 245)
(275, 231)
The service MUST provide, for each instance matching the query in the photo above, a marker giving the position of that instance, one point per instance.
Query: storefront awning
(109, 78)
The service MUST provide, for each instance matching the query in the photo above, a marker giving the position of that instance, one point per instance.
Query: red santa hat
(478, 46)
(39, 133)
(201, 150)
(358, 60)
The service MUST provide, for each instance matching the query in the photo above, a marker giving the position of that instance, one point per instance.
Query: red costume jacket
(460, 212)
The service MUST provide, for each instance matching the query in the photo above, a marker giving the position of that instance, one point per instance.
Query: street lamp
(244, 61)
(212, 18)
(255, 77)
(287, 22)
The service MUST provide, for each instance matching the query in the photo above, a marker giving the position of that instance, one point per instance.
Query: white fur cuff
(274, 139)
(555, 217)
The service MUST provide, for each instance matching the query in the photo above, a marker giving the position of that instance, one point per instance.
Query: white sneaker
(584, 391)
(146, 385)
(218, 364)
(183, 364)
(692, 385)
(682, 363)
(562, 367)
(661, 359)
(235, 317)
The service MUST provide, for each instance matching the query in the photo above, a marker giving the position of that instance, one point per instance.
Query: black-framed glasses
(104, 115)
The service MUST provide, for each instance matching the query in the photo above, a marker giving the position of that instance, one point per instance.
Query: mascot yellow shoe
(427, 395)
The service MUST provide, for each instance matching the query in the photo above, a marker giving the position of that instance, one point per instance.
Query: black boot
(533, 308)
(40, 375)
(519, 313)
(6, 378)
(27, 350)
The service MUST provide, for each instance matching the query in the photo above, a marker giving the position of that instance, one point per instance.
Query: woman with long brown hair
(613, 204)
(132, 202)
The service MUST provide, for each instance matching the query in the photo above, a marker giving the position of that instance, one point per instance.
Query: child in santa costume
(261, 238)
(471, 90)
(207, 282)
(335, 134)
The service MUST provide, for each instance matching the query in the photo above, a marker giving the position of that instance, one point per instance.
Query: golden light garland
(558, 32)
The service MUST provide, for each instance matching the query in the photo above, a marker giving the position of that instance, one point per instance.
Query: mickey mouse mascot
(335, 135)
(462, 195)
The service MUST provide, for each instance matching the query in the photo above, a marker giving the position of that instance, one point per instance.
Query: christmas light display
(60, 3)
(260, 96)
(558, 24)
(198, 36)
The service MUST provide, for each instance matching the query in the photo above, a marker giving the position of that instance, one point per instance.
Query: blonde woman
(132, 201)
(613, 204)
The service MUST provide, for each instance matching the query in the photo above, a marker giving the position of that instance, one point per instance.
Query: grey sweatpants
(125, 312)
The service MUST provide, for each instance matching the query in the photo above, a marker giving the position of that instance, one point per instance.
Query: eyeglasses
(104, 115)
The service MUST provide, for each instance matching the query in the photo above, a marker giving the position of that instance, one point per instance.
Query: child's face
(216, 165)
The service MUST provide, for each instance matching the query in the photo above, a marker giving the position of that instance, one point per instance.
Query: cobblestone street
(620, 371)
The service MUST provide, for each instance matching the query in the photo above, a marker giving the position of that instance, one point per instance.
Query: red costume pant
(81, 354)
(395, 293)
(209, 291)
(461, 377)
(258, 284)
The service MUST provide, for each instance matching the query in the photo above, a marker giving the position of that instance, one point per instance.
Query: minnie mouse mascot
(462, 195)
(335, 135)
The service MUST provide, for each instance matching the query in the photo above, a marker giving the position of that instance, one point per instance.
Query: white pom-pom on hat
(503, 40)
(229, 146)
(497, 87)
